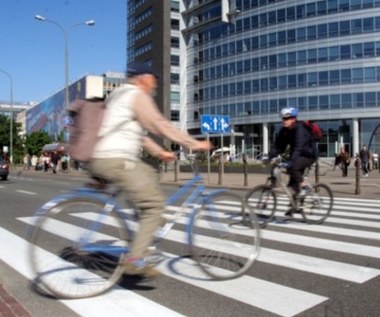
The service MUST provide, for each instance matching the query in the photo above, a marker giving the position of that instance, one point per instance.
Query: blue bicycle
(80, 239)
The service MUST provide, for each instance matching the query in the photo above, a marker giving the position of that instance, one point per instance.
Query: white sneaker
(165, 218)
(304, 190)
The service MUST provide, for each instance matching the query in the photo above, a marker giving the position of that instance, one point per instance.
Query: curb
(9, 306)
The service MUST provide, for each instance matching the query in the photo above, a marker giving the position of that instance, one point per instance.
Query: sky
(32, 51)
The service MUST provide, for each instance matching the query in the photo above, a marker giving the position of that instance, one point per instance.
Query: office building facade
(250, 58)
(153, 38)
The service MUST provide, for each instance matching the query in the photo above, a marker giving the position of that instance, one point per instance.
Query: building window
(174, 24)
(174, 97)
(174, 115)
(174, 60)
(174, 42)
(174, 6)
(174, 78)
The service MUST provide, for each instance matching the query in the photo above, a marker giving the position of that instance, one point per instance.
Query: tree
(61, 137)
(5, 137)
(35, 141)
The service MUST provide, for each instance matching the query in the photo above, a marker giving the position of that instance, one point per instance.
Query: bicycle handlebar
(192, 158)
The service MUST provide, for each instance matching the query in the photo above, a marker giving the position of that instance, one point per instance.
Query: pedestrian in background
(337, 161)
(26, 161)
(345, 161)
(34, 162)
(365, 157)
(64, 163)
(375, 160)
(40, 163)
(54, 161)
(46, 161)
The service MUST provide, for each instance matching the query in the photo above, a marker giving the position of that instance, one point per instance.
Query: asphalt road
(303, 270)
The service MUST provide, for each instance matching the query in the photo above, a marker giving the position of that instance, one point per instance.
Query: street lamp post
(11, 116)
(65, 35)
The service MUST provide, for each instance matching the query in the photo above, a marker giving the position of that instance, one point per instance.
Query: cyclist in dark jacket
(302, 147)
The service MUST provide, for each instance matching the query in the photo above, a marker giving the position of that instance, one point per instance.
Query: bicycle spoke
(317, 204)
(263, 201)
(225, 241)
(68, 268)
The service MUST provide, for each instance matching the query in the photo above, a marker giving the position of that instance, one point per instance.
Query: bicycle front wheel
(75, 250)
(263, 201)
(316, 206)
(225, 236)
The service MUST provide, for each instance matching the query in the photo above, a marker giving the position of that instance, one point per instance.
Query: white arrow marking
(215, 120)
(206, 126)
(224, 124)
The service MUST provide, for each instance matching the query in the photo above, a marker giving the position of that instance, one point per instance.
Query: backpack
(86, 118)
(314, 129)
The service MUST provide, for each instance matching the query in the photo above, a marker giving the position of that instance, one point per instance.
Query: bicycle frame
(109, 199)
(276, 178)
(198, 194)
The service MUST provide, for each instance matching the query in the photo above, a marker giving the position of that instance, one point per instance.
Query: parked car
(262, 156)
(217, 152)
(4, 169)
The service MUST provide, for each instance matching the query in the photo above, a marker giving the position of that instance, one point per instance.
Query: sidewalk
(9, 306)
(341, 186)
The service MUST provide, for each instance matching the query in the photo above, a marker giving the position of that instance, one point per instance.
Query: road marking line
(354, 214)
(117, 303)
(279, 299)
(343, 202)
(25, 192)
(344, 271)
(331, 230)
(339, 270)
(272, 297)
(314, 242)
(335, 219)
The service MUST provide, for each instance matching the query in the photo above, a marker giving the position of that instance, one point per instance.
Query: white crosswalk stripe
(352, 222)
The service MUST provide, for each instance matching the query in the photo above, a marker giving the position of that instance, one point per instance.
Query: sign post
(208, 159)
(216, 124)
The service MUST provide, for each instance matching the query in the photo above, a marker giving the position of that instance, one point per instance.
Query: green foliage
(4, 131)
(61, 137)
(35, 141)
(5, 137)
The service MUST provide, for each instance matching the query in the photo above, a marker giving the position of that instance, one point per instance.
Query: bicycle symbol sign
(215, 124)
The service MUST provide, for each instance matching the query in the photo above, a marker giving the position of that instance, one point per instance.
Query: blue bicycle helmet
(289, 112)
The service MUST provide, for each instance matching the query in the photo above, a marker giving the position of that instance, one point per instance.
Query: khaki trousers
(139, 181)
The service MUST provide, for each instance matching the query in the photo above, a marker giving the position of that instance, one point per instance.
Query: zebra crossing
(351, 231)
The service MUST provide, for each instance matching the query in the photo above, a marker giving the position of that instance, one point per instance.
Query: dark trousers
(365, 167)
(297, 170)
(344, 169)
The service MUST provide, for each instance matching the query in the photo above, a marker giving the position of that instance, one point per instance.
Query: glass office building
(153, 38)
(250, 58)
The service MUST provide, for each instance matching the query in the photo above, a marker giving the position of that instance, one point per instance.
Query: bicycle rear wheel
(75, 250)
(316, 206)
(225, 236)
(263, 201)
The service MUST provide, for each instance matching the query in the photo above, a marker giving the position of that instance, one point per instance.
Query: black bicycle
(313, 205)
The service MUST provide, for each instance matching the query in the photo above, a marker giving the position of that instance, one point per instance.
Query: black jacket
(298, 138)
